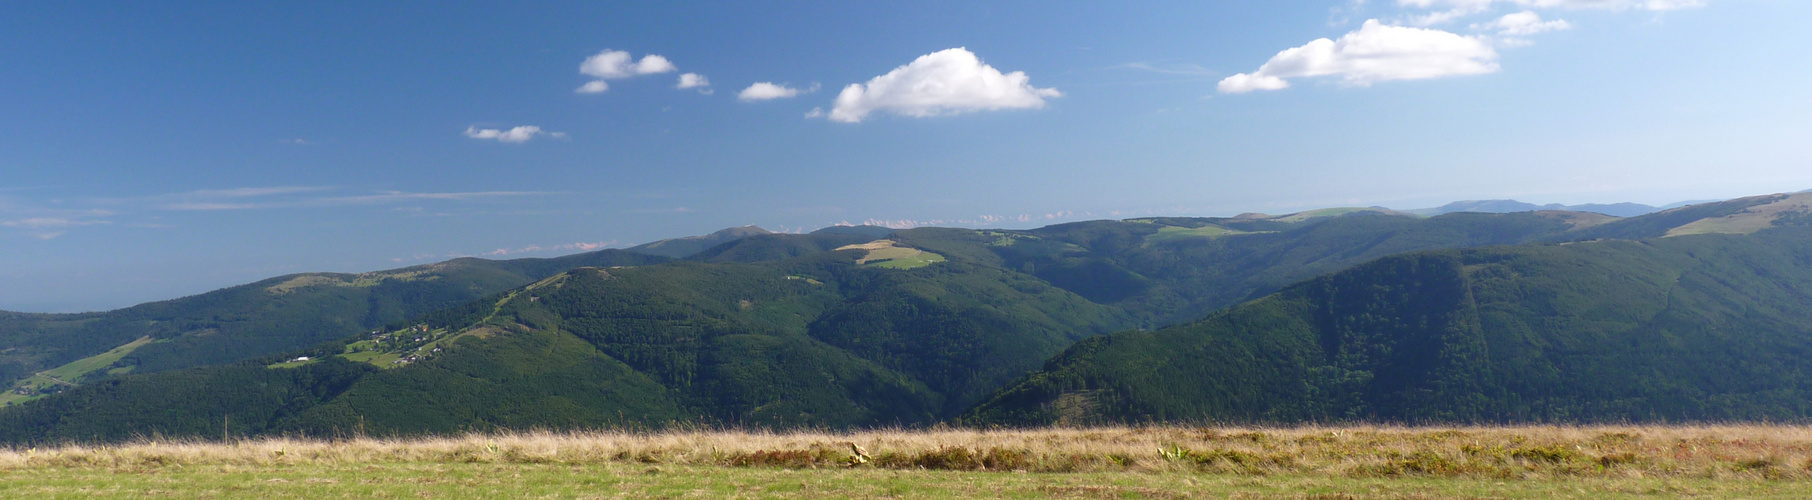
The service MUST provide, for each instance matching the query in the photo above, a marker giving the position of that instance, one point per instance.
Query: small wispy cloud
(1174, 69)
(694, 81)
(252, 192)
(381, 198)
(674, 210)
(568, 247)
(513, 135)
(50, 222)
(765, 91)
(1523, 24)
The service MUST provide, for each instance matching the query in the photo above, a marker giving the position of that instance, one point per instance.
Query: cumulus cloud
(694, 81)
(515, 135)
(616, 65)
(1523, 23)
(945, 82)
(762, 91)
(1375, 53)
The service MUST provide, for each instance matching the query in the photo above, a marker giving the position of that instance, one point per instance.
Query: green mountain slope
(1738, 216)
(819, 341)
(770, 247)
(680, 248)
(837, 329)
(274, 315)
(1170, 270)
(1687, 328)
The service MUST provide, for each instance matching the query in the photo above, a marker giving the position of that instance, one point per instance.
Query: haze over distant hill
(1508, 206)
(686, 246)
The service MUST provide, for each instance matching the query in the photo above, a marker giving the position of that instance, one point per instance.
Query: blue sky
(150, 151)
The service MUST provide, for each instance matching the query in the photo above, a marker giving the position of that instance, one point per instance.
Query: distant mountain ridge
(771, 330)
(1346, 313)
(1511, 206)
(680, 248)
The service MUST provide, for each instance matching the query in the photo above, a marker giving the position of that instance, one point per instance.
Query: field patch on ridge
(884, 253)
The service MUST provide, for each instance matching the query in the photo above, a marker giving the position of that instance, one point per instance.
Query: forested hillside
(1171, 270)
(1704, 327)
(1462, 317)
(275, 315)
(812, 341)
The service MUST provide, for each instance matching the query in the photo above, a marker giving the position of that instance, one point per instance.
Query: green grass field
(903, 258)
(883, 253)
(1174, 232)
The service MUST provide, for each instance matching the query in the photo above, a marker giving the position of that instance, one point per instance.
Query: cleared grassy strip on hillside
(884, 253)
(69, 373)
(911, 259)
(1168, 233)
(1360, 462)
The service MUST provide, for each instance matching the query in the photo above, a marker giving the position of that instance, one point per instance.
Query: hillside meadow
(1357, 462)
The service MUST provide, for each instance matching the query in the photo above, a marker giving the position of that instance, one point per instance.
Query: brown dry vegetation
(1757, 452)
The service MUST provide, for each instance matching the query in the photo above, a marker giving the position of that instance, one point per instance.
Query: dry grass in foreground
(1700, 452)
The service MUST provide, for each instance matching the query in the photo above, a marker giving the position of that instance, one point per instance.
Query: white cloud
(762, 91)
(616, 65)
(1481, 5)
(1442, 17)
(249, 192)
(581, 246)
(593, 87)
(515, 135)
(381, 198)
(653, 64)
(692, 81)
(945, 82)
(50, 222)
(1523, 23)
(815, 113)
(1375, 53)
